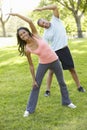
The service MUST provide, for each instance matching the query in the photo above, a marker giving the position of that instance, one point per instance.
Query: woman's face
(23, 34)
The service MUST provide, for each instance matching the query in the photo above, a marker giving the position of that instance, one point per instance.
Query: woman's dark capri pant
(66, 58)
(42, 68)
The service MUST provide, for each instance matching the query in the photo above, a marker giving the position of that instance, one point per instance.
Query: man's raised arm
(49, 7)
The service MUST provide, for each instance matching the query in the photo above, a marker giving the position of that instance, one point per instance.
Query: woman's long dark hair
(21, 43)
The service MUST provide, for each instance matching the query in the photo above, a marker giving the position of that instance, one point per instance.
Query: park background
(15, 77)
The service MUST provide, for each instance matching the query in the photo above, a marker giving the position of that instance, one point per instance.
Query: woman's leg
(63, 88)
(35, 90)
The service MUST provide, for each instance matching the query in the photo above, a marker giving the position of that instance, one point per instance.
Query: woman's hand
(35, 84)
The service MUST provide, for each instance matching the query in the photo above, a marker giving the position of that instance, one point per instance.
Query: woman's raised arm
(29, 21)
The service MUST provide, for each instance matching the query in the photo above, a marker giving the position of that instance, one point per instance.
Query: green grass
(15, 86)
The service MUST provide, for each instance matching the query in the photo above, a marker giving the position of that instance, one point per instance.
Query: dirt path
(7, 41)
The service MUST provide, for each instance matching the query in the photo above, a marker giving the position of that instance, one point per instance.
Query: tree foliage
(72, 12)
(78, 8)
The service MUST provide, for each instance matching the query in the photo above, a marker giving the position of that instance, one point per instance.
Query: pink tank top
(45, 53)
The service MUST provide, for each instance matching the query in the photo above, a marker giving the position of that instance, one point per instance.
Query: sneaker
(26, 114)
(71, 105)
(81, 89)
(47, 93)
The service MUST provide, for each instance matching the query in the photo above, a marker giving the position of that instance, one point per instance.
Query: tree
(2, 20)
(78, 8)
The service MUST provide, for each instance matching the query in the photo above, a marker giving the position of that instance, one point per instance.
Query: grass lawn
(15, 87)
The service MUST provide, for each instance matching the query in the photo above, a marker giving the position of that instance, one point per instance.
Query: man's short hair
(38, 21)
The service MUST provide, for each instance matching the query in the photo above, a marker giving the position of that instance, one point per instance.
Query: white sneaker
(26, 114)
(71, 105)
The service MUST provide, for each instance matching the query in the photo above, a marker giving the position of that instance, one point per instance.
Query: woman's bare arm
(28, 20)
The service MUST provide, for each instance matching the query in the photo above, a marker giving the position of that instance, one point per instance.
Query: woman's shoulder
(26, 49)
(37, 36)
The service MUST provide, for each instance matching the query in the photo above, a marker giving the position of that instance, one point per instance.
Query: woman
(32, 43)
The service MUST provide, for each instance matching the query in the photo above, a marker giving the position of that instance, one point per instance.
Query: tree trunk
(3, 29)
(78, 23)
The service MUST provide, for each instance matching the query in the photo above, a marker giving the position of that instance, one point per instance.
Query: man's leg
(76, 79)
(49, 81)
(68, 64)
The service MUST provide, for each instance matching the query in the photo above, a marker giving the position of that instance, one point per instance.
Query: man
(55, 34)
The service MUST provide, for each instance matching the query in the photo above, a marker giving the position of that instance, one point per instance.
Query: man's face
(44, 23)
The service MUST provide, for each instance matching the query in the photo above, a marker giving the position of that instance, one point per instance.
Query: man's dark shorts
(66, 58)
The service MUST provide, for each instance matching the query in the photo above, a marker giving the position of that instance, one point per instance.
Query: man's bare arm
(49, 7)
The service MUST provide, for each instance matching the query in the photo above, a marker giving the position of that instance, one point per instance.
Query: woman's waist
(48, 59)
